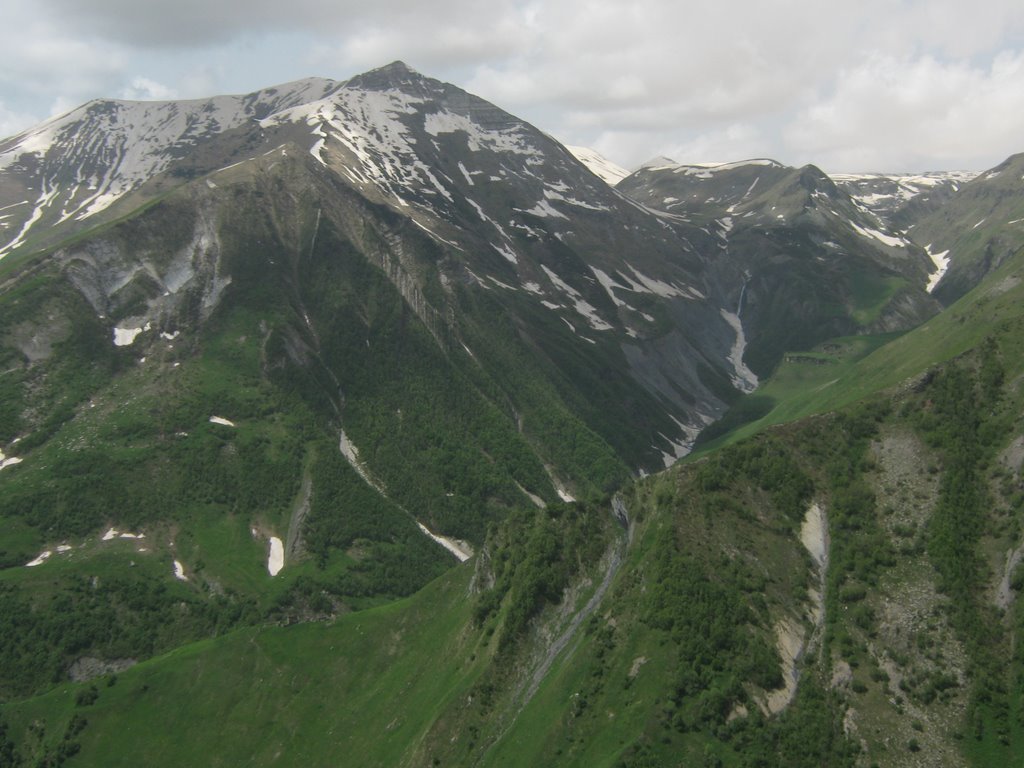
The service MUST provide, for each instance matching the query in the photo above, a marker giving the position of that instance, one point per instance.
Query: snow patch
(610, 173)
(641, 283)
(555, 193)
(533, 288)
(351, 453)
(579, 304)
(512, 139)
(608, 283)
(892, 242)
(275, 560)
(45, 200)
(6, 462)
(124, 337)
(941, 261)
(507, 252)
(543, 209)
(500, 284)
(42, 558)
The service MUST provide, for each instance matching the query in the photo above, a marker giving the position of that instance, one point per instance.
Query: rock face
(89, 668)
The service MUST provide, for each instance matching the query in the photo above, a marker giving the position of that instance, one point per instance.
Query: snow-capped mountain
(510, 212)
(802, 245)
(600, 165)
(976, 229)
(897, 199)
(73, 167)
(684, 274)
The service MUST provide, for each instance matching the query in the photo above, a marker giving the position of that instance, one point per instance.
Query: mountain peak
(397, 66)
(661, 161)
(392, 75)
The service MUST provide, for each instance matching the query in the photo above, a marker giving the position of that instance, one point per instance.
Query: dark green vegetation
(680, 658)
(309, 337)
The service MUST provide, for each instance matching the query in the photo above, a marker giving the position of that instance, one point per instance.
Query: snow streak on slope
(744, 379)
(941, 261)
(365, 126)
(461, 549)
(89, 158)
(372, 131)
(873, 190)
(502, 140)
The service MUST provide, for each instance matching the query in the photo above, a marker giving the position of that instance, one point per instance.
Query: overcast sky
(856, 85)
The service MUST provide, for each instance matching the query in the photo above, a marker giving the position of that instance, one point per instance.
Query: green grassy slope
(680, 657)
(842, 371)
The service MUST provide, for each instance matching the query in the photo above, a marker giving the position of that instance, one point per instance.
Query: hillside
(978, 230)
(840, 591)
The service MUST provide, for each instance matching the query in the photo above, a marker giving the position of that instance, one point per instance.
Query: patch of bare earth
(910, 718)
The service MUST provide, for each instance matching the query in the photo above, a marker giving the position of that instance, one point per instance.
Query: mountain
(899, 199)
(334, 419)
(601, 166)
(512, 211)
(322, 338)
(812, 264)
(71, 168)
(839, 591)
(977, 230)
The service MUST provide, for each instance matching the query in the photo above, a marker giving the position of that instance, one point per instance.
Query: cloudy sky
(886, 85)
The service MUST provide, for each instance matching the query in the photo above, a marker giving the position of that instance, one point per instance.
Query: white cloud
(12, 122)
(904, 113)
(144, 89)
